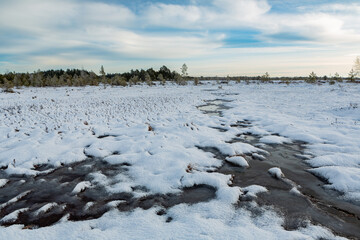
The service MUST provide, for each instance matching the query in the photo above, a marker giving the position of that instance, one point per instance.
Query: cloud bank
(53, 34)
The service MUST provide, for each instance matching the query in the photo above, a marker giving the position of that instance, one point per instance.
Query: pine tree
(352, 75)
(312, 78)
(161, 79)
(196, 81)
(102, 73)
(265, 77)
(148, 79)
(184, 70)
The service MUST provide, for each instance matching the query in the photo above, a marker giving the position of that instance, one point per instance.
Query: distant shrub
(148, 80)
(265, 77)
(196, 81)
(119, 81)
(337, 78)
(8, 86)
(312, 78)
(161, 79)
(134, 80)
(179, 80)
(352, 75)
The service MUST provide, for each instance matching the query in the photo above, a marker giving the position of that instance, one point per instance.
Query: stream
(314, 203)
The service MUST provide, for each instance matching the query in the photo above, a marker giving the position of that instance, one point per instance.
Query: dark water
(57, 187)
(315, 204)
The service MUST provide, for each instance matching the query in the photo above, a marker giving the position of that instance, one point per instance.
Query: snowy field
(157, 133)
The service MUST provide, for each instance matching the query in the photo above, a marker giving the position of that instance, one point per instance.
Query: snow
(335, 159)
(274, 139)
(252, 190)
(81, 186)
(322, 115)
(88, 205)
(3, 182)
(14, 199)
(258, 156)
(115, 203)
(45, 208)
(238, 160)
(212, 220)
(295, 191)
(343, 179)
(13, 216)
(276, 172)
(66, 125)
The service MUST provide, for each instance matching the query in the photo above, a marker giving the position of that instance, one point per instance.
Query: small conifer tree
(265, 77)
(312, 78)
(352, 75)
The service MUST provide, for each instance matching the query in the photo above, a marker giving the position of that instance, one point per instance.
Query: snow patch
(81, 186)
(252, 190)
(3, 182)
(272, 139)
(238, 160)
(13, 216)
(276, 173)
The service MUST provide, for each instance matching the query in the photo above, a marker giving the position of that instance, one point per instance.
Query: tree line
(77, 77)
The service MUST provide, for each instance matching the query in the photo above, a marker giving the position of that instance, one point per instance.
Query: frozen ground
(158, 133)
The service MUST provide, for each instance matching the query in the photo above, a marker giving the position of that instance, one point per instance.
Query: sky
(213, 37)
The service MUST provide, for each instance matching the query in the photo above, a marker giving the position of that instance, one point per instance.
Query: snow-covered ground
(157, 132)
(327, 117)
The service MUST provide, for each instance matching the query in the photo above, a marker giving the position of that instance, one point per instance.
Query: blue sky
(213, 37)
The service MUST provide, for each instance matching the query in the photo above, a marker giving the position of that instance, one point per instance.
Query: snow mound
(295, 191)
(276, 173)
(253, 190)
(45, 208)
(13, 216)
(238, 160)
(342, 179)
(272, 139)
(81, 186)
(3, 182)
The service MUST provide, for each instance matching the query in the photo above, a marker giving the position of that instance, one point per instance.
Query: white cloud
(148, 45)
(69, 24)
(35, 16)
(51, 33)
(219, 14)
(106, 14)
(313, 26)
